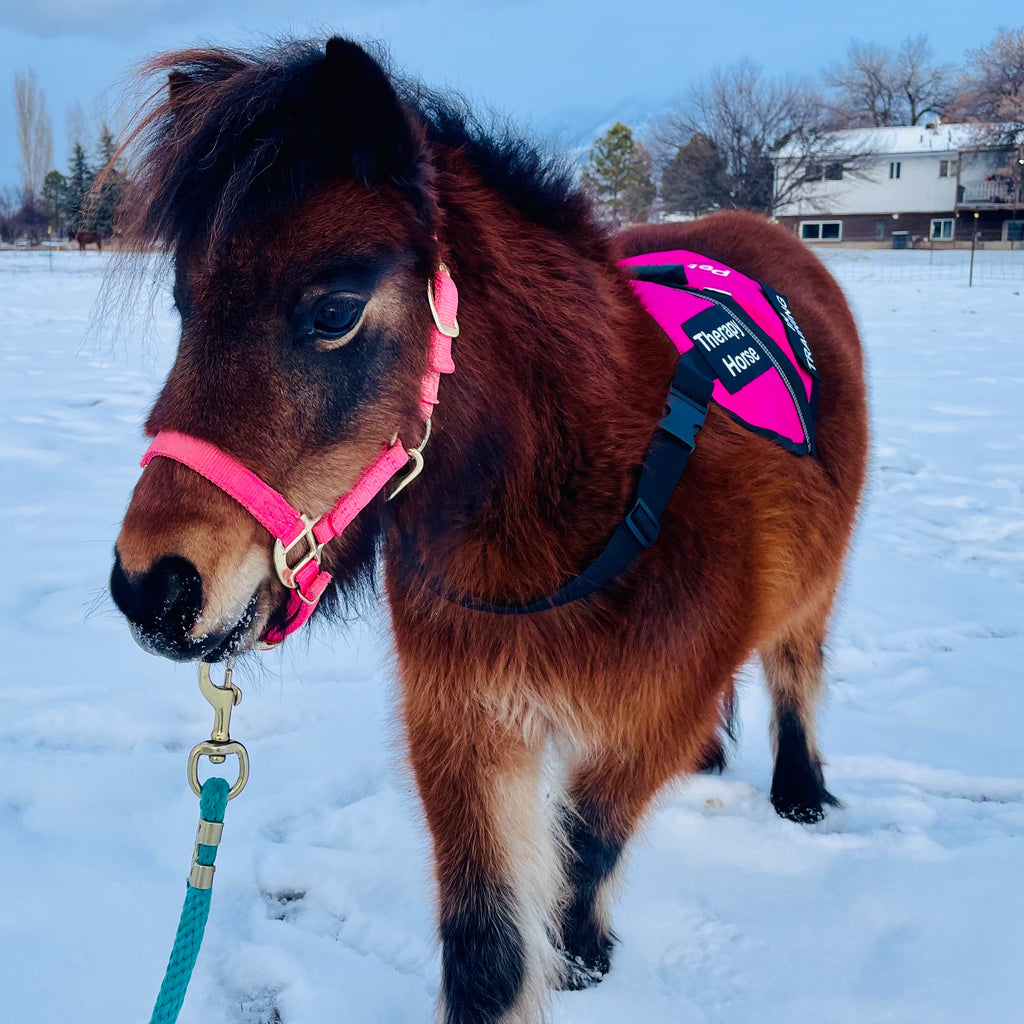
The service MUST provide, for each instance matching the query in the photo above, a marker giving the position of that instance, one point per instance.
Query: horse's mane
(230, 135)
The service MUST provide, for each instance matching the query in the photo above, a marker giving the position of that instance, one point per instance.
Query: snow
(903, 906)
(900, 140)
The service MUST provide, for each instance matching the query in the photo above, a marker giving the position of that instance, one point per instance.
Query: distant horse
(308, 198)
(85, 238)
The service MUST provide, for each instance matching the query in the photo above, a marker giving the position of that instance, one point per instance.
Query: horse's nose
(162, 604)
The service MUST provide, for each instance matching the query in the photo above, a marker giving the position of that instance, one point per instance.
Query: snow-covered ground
(905, 906)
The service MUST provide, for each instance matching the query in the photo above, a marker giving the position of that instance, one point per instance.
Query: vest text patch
(731, 352)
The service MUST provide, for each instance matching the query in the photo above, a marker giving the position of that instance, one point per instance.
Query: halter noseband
(294, 532)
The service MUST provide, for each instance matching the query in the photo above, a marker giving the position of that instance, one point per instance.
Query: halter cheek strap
(299, 540)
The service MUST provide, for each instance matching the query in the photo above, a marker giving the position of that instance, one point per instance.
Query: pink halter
(292, 528)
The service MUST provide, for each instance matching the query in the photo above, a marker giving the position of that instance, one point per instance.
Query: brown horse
(86, 238)
(287, 179)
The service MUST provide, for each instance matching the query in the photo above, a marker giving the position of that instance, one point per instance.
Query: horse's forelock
(234, 136)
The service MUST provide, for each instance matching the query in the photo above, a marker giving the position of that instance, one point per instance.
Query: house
(906, 186)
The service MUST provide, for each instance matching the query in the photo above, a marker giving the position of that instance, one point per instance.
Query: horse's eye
(334, 316)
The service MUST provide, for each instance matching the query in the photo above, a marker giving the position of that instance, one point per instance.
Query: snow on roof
(906, 139)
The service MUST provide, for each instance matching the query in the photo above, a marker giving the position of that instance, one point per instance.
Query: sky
(562, 67)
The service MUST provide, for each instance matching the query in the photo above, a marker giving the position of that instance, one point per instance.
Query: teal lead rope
(214, 795)
(212, 802)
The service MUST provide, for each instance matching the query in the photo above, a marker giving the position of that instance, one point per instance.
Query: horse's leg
(606, 798)
(794, 670)
(497, 870)
(99, 243)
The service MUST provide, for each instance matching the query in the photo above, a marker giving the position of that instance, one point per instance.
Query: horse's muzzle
(163, 606)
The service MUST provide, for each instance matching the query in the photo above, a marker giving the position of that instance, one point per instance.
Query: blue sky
(564, 64)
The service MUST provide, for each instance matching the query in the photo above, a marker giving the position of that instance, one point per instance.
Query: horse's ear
(177, 85)
(349, 61)
(372, 119)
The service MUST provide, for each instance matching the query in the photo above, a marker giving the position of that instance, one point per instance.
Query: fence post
(974, 238)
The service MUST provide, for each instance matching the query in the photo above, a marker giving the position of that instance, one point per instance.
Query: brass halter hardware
(453, 330)
(416, 455)
(220, 744)
(286, 573)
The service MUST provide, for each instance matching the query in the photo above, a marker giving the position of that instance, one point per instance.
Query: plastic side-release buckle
(683, 418)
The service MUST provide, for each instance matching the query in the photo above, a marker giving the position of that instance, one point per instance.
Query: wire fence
(991, 266)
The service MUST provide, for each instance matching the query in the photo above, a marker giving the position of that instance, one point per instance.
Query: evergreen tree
(80, 177)
(55, 198)
(107, 149)
(694, 180)
(105, 202)
(618, 175)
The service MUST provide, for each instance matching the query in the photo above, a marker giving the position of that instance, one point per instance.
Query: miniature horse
(307, 197)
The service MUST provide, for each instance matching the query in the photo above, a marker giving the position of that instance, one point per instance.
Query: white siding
(919, 189)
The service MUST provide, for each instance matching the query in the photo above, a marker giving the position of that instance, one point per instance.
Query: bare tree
(34, 131)
(866, 87)
(876, 87)
(78, 133)
(8, 207)
(924, 87)
(992, 85)
(747, 119)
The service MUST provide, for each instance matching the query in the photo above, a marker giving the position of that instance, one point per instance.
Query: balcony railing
(991, 193)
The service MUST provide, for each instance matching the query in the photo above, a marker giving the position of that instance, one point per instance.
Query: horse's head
(293, 191)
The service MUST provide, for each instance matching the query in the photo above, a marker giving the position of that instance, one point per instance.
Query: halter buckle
(287, 573)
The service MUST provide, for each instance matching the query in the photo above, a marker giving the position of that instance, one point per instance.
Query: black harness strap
(689, 395)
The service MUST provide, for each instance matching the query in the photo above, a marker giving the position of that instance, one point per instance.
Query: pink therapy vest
(739, 332)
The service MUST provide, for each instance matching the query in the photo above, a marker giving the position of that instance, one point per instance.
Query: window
(821, 230)
(942, 229)
(894, 169)
(880, 229)
(943, 168)
(1015, 230)
(830, 172)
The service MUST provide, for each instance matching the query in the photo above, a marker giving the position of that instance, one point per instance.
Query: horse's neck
(559, 379)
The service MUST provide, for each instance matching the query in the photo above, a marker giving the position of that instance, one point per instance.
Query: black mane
(242, 135)
(542, 186)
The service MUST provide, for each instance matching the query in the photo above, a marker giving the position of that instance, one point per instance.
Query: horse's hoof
(802, 800)
(805, 815)
(580, 972)
(798, 784)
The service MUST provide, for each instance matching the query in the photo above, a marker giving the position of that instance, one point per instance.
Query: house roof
(903, 140)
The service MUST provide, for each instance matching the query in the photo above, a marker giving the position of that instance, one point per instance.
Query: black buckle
(684, 417)
(643, 523)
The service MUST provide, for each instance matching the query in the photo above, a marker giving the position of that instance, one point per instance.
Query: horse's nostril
(175, 595)
(165, 601)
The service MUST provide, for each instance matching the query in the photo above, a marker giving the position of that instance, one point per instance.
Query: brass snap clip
(220, 744)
